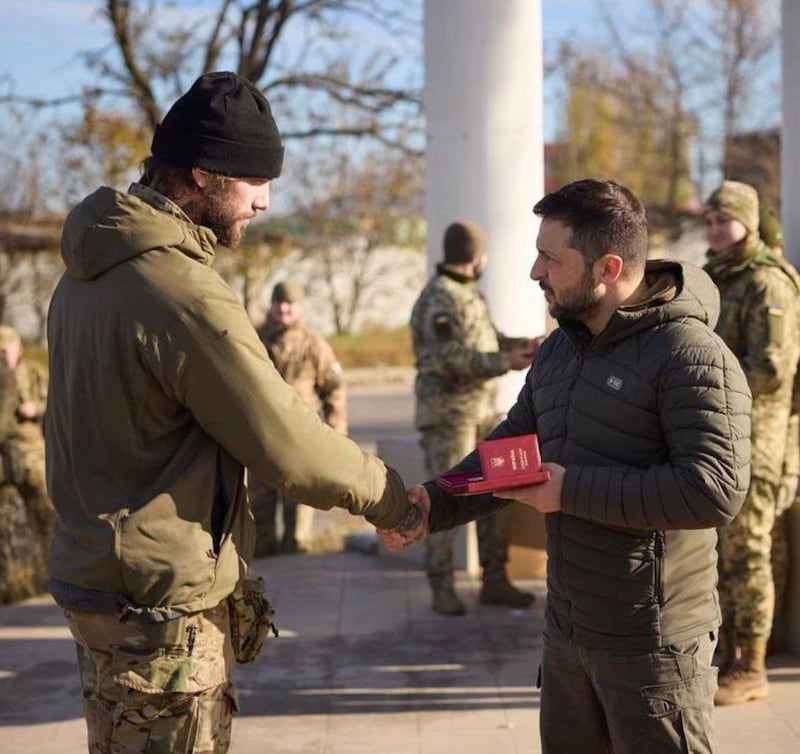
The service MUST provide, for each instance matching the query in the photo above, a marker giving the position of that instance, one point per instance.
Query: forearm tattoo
(412, 520)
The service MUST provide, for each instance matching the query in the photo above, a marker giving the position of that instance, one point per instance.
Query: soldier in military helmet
(760, 313)
(459, 353)
(307, 362)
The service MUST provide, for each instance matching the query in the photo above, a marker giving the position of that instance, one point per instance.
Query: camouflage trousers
(23, 571)
(41, 513)
(444, 446)
(780, 555)
(27, 521)
(746, 586)
(156, 688)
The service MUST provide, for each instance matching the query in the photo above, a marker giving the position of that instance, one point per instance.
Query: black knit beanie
(222, 124)
(463, 242)
(287, 290)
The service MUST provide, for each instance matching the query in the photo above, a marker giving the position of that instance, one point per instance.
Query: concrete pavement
(362, 665)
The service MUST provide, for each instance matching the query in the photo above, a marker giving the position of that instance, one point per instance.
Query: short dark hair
(603, 215)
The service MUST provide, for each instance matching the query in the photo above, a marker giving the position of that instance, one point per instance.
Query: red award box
(505, 463)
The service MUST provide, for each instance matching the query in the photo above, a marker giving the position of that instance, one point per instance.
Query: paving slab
(362, 665)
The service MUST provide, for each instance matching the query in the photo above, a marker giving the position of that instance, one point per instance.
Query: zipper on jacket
(658, 567)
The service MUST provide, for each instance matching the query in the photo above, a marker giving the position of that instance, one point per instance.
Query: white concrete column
(484, 158)
(790, 203)
(790, 132)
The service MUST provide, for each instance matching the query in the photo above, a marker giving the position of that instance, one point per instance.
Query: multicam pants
(746, 586)
(444, 447)
(156, 688)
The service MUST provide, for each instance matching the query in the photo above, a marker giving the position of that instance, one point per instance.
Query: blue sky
(41, 40)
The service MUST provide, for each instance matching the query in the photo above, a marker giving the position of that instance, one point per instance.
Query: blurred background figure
(307, 362)
(769, 227)
(759, 317)
(771, 231)
(30, 402)
(458, 354)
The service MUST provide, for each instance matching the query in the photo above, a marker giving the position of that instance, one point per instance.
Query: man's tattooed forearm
(411, 520)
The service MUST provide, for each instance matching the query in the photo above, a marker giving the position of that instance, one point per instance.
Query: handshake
(415, 524)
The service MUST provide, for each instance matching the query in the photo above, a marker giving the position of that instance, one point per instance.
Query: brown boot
(503, 592)
(746, 679)
(446, 601)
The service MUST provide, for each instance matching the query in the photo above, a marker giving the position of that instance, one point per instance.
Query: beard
(220, 215)
(578, 303)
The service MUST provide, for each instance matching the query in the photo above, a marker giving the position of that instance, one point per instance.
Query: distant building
(554, 159)
(754, 157)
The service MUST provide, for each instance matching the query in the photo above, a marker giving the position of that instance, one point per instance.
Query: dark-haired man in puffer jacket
(643, 418)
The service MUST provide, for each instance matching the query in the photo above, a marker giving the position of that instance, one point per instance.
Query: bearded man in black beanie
(161, 393)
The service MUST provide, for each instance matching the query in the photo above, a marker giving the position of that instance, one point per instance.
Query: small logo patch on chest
(615, 383)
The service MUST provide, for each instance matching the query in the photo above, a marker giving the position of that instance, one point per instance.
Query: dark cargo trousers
(603, 702)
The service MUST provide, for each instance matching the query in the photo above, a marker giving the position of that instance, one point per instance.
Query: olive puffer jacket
(651, 420)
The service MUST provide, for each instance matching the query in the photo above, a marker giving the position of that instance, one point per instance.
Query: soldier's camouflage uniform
(787, 493)
(28, 518)
(151, 700)
(22, 567)
(31, 380)
(307, 362)
(759, 320)
(459, 353)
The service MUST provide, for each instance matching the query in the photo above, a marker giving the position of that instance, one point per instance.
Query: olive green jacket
(160, 394)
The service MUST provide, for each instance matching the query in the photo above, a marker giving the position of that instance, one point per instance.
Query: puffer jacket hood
(650, 420)
(674, 291)
(108, 228)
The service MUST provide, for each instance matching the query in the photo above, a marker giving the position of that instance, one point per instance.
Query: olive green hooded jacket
(160, 394)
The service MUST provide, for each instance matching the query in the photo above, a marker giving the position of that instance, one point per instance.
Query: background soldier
(760, 312)
(307, 362)
(30, 404)
(771, 232)
(459, 352)
(21, 566)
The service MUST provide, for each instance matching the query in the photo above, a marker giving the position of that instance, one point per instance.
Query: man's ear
(201, 178)
(610, 268)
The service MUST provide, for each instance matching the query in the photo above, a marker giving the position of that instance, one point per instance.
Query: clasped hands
(414, 526)
(545, 498)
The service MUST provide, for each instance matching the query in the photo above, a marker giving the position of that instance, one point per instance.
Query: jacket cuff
(393, 505)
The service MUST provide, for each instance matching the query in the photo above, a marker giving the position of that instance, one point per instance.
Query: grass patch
(375, 347)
